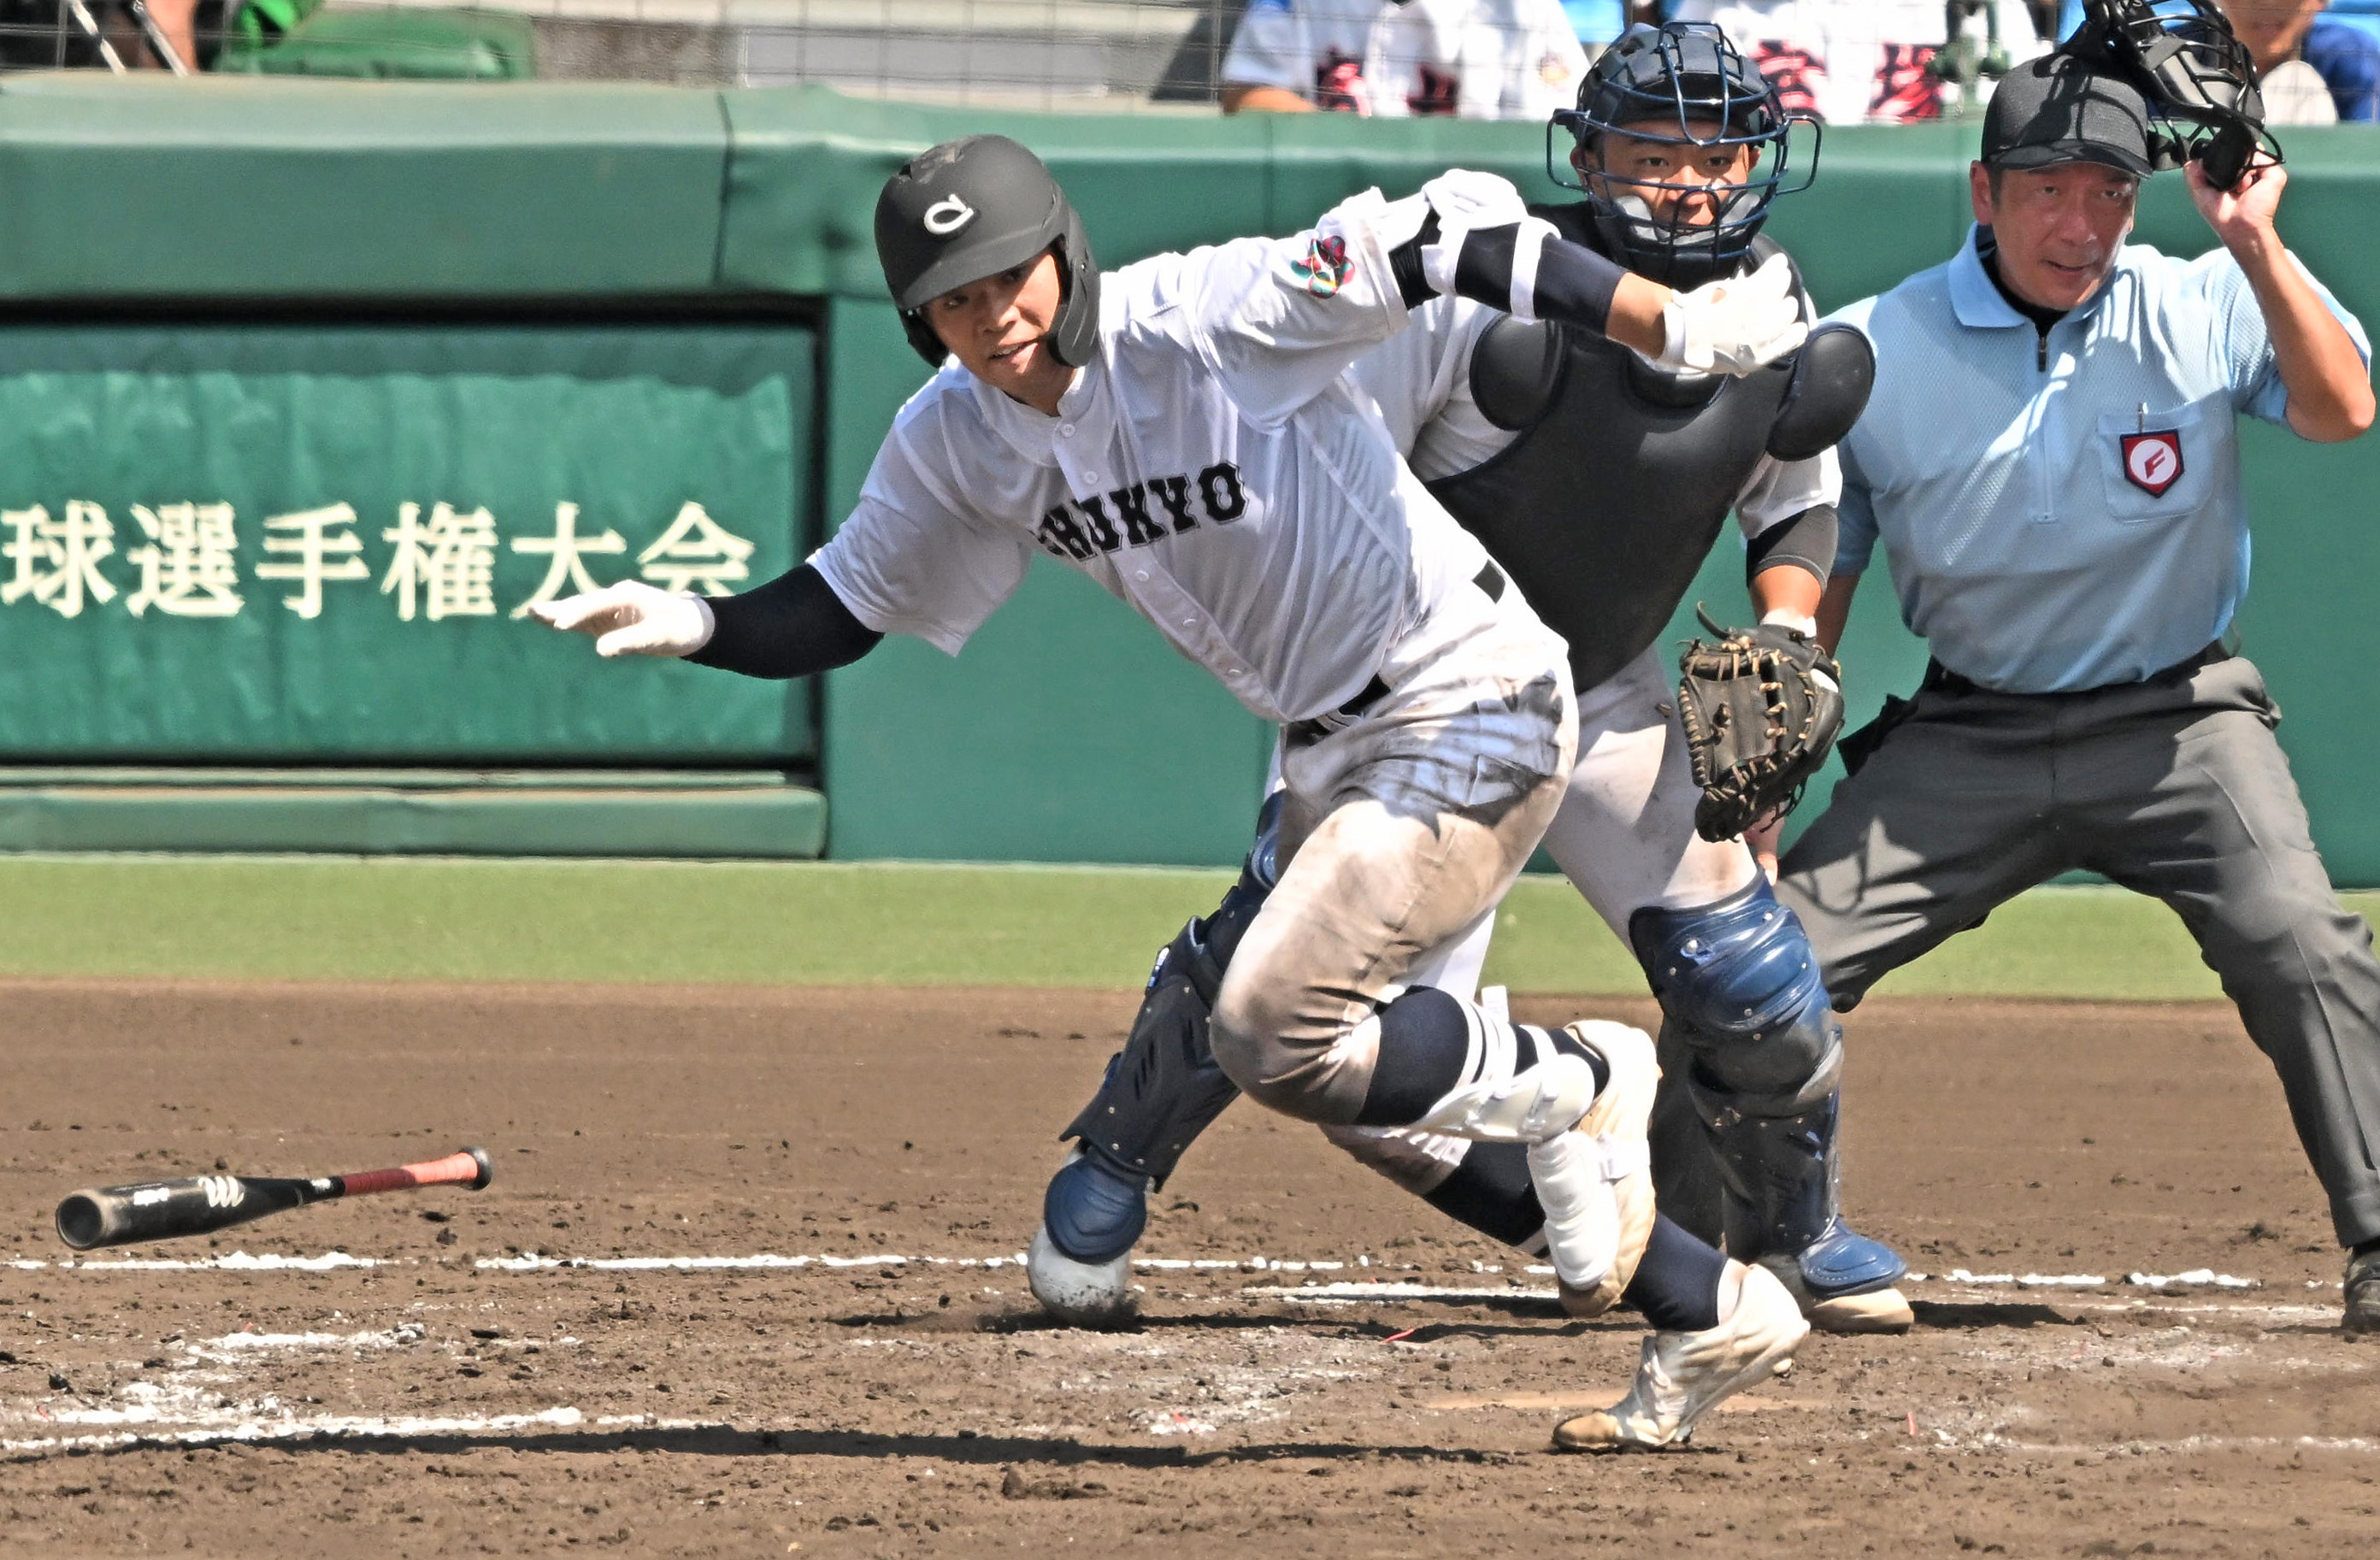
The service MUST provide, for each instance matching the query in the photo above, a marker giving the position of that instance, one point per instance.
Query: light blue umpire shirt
(2065, 512)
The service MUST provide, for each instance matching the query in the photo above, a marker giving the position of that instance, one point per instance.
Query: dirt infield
(527, 1370)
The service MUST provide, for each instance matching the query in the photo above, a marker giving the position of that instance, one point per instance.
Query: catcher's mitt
(1761, 706)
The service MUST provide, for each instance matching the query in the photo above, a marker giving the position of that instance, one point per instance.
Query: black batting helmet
(1657, 83)
(972, 208)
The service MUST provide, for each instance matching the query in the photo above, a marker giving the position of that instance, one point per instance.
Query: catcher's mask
(1680, 74)
(2184, 58)
(973, 207)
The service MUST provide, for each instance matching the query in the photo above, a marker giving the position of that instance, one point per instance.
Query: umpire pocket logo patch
(2152, 461)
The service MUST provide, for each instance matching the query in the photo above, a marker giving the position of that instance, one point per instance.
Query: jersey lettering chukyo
(1093, 525)
(1212, 467)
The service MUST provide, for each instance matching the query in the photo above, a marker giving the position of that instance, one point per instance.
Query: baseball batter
(1182, 431)
(1599, 481)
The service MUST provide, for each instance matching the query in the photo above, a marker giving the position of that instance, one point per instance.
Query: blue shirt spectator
(1597, 22)
(2345, 51)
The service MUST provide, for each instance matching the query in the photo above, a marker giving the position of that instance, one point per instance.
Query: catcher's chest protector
(1605, 505)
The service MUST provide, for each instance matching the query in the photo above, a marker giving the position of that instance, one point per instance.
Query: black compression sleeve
(793, 626)
(1807, 541)
(1574, 285)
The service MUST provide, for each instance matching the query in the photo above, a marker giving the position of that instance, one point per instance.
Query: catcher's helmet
(972, 208)
(1680, 74)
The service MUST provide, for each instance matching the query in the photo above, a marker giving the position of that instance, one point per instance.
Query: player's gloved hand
(1736, 325)
(1463, 198)
(633, 619)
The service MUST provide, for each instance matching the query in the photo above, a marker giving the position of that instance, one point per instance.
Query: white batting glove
(633, 619)
(1464, 199)
(1734, 326)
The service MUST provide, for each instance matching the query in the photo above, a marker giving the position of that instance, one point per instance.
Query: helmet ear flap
(922, 337)
(1074, 336)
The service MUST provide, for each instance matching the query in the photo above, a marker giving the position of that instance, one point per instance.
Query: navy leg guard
(1742, 994)
(1164, 1088)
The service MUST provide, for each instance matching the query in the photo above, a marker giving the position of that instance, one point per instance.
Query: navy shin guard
(1164, 1088)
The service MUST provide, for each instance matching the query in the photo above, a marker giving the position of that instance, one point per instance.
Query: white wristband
(1786, 617)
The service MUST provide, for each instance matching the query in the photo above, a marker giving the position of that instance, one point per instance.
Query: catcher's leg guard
(1162, 1089)
(1742, 993)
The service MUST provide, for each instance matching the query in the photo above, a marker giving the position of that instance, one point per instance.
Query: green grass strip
(311, 918)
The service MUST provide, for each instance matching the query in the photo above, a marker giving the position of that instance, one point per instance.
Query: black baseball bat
(159, 1210)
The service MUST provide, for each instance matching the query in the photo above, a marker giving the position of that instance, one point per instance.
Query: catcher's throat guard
(1761, 708)
(2184, 58)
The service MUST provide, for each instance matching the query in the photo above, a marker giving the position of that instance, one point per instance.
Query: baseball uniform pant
(2174, 788)
(1400, 831)
(1625, 835)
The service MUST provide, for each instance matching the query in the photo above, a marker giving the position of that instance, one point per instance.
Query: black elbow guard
(1832, 376)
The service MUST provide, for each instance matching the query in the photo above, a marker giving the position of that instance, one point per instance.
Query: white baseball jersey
(1421, 380)
(1210, 467)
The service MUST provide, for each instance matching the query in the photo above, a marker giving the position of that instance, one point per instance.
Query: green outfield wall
(279, 298)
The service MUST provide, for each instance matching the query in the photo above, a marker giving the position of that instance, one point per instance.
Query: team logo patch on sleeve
(2153, 460)
(1325, 268)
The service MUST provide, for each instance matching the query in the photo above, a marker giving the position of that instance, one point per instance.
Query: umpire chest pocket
(2159, 465)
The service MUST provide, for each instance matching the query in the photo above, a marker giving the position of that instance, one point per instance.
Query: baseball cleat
(1618, 1158)
(1081, 1294)
(1876, 1311)
(1682, 1375)
(2362, 1314)
(1845, 1281)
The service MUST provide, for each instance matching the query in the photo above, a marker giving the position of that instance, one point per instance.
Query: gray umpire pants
(2174, 788)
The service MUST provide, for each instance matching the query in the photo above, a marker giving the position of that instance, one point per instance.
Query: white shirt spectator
(1850, 60)
(2295, 94)
(1476, 59)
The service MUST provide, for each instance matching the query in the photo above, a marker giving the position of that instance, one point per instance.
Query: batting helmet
(972, 208)
(1682, 74)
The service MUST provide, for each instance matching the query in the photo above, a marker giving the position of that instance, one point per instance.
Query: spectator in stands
(1478, 59)
(1850, 60)
(2317, 69)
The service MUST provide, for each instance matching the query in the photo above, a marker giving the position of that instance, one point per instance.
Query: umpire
(2051, 462)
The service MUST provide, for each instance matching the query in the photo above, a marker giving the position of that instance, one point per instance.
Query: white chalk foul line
(231, 1262)
(2182, 1445)
(536, 1262)
(531, 1262)
(346, 1426)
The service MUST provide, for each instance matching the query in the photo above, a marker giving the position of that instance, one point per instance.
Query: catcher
(1600, 482)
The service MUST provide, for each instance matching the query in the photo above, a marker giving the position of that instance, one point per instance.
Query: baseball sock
(1432, 1043)
(1677, 1284)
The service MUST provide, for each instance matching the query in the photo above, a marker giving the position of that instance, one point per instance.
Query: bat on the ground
(159, 1210)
